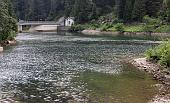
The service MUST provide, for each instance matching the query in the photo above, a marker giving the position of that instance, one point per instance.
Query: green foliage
(168, 10)
(163, 29)
(151, 23)
(160, 54)
(139, 10)
(82, 10)
(77, 28)
(134, 28)
(88, 10)
(119, 27)
(149, 28)
(165, 12)
(106, 26)
(8, 26)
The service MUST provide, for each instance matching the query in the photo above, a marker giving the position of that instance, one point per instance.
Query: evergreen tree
(139, 10)
(153, 7)
(81, 10)
(8, 27)
(168, 10)
(128, 10)
(87, 10)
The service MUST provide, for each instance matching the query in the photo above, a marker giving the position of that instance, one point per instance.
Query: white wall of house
(69, 21)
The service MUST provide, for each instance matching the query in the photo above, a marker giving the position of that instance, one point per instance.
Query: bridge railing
(39, 22)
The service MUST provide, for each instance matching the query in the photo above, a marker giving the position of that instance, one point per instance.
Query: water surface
(68, 68)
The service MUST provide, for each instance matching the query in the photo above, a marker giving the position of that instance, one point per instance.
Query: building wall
(69, 22)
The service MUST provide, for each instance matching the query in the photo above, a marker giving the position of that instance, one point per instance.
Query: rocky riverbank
(110, 33)
(1, 49)
(159, 74)
(7, 43)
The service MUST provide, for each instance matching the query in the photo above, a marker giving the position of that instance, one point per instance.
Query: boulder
(1, 49)
(11, 42)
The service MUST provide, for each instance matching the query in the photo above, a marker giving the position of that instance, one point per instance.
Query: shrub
(163, 28)
(148, 28)
(77, 28)
(11, 35)
(106, 26)
(160, 54)
(119, 27)
(134, 28)
(93, 26)
(151, 23)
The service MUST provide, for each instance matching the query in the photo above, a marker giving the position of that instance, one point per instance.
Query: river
(71, 68)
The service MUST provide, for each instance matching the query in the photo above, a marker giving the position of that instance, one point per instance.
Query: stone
(12, 42)
(1, 49)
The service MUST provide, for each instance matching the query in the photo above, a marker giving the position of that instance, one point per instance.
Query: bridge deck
(39, 23)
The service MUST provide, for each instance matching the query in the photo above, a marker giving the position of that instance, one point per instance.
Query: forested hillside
(8, 27)
(87, 10)
(126, 11)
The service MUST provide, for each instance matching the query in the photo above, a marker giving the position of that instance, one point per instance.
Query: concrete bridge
(61, 24)
(37, 25)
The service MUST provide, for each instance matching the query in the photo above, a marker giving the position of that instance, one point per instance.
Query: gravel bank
(158, 74)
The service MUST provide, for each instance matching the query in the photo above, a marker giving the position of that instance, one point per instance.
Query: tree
(128, 10)
(153, 7)
(88, 10)
(139, 10)
(8, 27)
(168, 10)
(81, 10)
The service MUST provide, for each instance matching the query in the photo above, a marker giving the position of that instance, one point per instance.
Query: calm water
(67, 68)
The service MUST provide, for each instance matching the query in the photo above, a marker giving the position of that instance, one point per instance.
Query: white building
(69, 21)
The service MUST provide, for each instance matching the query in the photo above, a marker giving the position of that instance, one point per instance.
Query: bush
(77, 28)
(119, 27)
(148, 28)
(11, 35)
(93, 26)
(163, 28)
(152, 21)
(134, 28)
(106, 26)
(160, 54)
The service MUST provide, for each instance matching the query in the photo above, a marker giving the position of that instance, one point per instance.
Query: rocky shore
(159, 74)
(7, 43)
(110, 33)
(1, 49)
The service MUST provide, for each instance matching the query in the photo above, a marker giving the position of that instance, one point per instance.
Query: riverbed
(71, 68)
